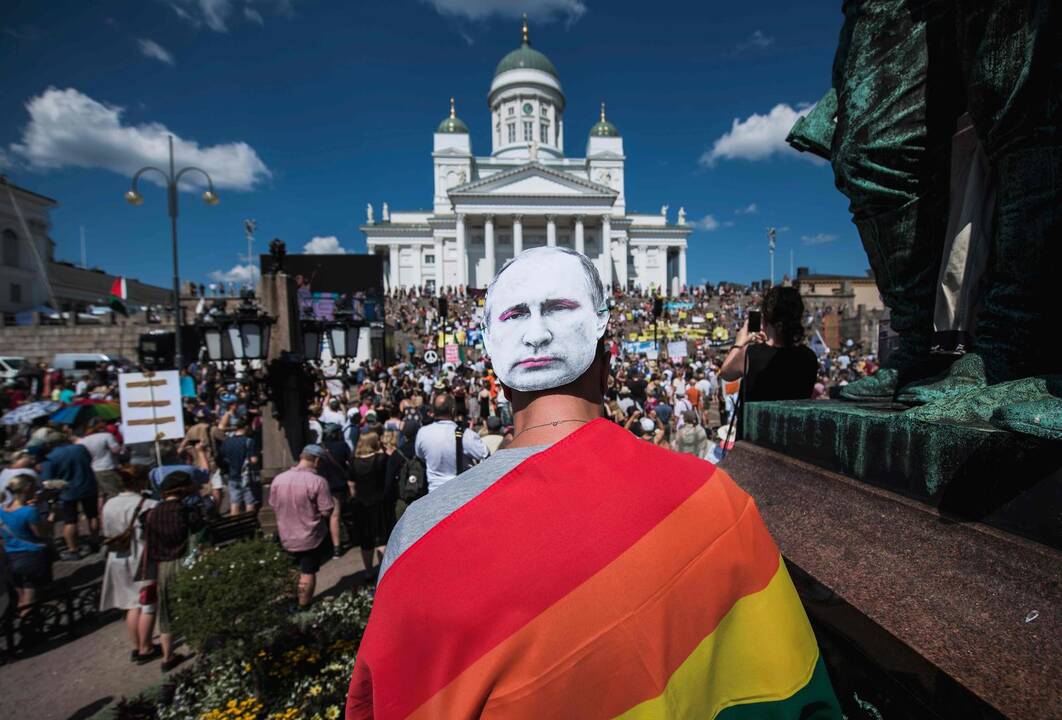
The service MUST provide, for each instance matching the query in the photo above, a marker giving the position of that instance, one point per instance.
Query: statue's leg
(1010, 56)
(897, 105)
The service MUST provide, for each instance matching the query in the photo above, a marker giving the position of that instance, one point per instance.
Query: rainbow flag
(603, 577)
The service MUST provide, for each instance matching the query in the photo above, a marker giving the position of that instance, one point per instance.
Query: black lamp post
(343, 336)
(173, 179)
(241, 336)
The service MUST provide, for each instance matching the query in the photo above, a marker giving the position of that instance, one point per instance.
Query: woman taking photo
(125, 546)
(25, 536)
(774, 363)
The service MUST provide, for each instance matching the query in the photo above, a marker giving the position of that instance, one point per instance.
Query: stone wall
(42, 342)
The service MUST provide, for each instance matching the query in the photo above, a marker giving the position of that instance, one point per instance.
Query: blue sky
(306, 111)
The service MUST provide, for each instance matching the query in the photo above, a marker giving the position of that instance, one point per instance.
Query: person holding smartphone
(770, 354)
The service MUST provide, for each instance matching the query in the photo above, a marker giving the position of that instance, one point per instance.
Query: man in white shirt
(104, 450)
(333, 413)
(436, 444)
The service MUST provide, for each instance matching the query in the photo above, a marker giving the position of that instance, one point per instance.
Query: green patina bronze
(904, 72)
(970, 469)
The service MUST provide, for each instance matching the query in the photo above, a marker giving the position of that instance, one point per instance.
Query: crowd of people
(379, 436)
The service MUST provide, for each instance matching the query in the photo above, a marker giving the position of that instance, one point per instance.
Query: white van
(10, 367)
(75, 365)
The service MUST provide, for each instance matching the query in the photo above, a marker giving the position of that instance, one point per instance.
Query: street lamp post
(771, 243)
(173, 179)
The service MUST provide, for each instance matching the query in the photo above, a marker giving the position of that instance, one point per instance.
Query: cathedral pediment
(532, 180)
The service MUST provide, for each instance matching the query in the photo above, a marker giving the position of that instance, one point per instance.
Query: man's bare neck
(549, 418)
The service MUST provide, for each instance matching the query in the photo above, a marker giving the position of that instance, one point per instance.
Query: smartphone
(754, 321)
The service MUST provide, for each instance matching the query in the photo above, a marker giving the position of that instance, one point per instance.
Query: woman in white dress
(120, 589)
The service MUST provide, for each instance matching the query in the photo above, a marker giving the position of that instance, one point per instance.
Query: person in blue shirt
(24, 533)
(73, 465)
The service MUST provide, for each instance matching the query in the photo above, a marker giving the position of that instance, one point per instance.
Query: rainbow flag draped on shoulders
(603, 577)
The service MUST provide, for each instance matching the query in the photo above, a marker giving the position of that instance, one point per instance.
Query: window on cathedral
(529, 131)
(512, 110)
(544, 132)
(429, 259)
(512, 132)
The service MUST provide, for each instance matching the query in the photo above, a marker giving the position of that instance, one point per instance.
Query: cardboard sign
(151, 406)
(451, 353)
(677, 349)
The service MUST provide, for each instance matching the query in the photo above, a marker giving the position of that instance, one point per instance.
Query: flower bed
(296, 669)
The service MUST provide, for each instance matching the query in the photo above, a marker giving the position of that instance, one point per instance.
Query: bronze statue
(908, 75)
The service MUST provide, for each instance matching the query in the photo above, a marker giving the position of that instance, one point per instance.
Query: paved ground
(78, 677)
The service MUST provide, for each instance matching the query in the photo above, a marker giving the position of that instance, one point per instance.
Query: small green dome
(525, 57)
(604, 128)
(452, 123)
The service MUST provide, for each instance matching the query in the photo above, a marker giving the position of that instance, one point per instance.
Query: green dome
(452, 123)
(604, 128)
(525, 57)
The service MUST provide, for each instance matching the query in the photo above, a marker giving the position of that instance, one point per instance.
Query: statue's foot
(1039, 418)
(881, 385)
(964, 374)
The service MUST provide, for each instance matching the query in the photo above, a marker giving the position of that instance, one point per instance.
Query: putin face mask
(542, 327)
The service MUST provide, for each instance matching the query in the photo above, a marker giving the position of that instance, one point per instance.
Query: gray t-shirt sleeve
(428, 511)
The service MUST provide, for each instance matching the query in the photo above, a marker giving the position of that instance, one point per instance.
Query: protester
(519, 562)
(437, 444)
(124, 537)
(335, 468)
(25, 534)
(104, 450)
(303, 505)
(374, 517)
(167, 531)
(493, 437)
(72, 464)
(22, 463)
(239, 461)
(691, 438)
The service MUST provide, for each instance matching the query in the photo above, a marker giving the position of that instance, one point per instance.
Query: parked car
(75, 365)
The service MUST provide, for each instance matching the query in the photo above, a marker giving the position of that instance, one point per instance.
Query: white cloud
(69, 129)
(239, 274)
(758, 39)
(328, 245)
(541, 10)
(151, 49)
(750, 209)
(758, 137)
(708, 223)
(784, 228)
(217, 14)
(819, 239)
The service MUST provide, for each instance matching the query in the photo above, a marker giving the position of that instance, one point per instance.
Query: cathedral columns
(682, 268)
(462, 250)
(393, 279)
(518, 234)
(488, 240)
(580, 243)
(440, 277)
(551, 231)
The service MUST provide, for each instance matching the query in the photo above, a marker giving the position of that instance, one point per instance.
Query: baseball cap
(314, 450)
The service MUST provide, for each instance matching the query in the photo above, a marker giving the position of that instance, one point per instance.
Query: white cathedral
(526, 193)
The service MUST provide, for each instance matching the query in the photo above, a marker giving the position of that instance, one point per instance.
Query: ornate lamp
(343, 336)
(311, 339)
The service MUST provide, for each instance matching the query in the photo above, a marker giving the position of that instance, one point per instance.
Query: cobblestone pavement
(76, 677)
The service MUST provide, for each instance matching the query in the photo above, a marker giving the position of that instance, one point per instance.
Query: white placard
(151, 406)
(676, 349)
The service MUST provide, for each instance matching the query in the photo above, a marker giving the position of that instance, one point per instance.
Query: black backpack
(412, 479)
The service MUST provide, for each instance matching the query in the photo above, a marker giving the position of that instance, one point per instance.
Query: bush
(302, 672)
(230, 595)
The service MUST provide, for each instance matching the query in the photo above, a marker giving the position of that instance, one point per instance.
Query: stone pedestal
(283, 422)
(921, 610)
(966, 470)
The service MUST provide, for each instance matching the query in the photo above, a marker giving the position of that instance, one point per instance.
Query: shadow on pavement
(91, 709)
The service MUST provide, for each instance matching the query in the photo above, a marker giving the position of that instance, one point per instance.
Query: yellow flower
(332, 712)
(315, 690)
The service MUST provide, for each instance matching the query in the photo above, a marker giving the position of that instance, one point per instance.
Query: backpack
(412, 479)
